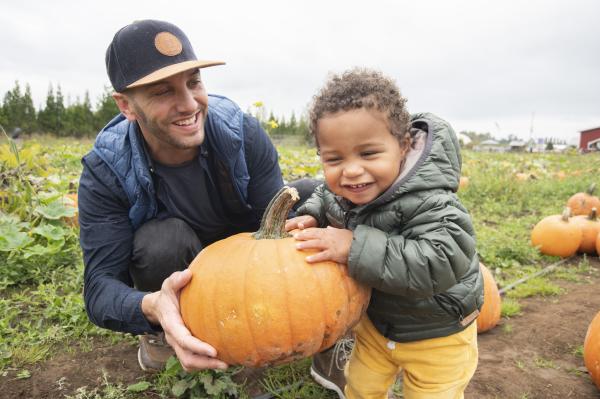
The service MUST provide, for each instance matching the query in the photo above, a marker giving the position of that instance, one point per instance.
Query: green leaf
(12, 239)
(23, 374)
(36, 250)
(173, 366)
(50, 232)
(139, 387)
(56, 209)
(179, 388)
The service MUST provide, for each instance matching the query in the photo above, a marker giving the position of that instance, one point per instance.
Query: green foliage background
(41, 303)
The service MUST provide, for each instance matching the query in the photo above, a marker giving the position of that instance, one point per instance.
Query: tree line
(78, 119)
(81, 118)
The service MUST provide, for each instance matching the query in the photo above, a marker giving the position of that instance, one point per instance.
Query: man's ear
(125, 106)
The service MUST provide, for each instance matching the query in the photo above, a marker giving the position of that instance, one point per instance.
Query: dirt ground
(527, 357)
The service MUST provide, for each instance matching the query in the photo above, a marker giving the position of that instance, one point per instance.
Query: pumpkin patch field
(537, 335)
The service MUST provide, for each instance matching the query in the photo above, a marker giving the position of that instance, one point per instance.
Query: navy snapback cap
(147, 51)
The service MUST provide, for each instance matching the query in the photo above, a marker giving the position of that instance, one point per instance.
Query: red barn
(590, 140)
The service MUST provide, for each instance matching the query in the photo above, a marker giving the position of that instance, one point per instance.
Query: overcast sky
(487, 66)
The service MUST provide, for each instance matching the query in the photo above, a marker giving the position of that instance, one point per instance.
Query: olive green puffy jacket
(415, 243)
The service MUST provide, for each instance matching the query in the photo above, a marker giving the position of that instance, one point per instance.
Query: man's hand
(300, 222)
(162, 307)
(333, 244)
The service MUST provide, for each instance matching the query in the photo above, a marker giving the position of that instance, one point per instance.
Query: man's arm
(106, 238)
(263, 166)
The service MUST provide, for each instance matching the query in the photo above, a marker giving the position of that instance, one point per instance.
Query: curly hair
(362, 88)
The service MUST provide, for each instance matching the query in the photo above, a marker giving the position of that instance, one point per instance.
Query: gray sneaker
(328, 366)
(154, 352)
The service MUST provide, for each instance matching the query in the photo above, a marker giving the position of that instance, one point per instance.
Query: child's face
(361, 159)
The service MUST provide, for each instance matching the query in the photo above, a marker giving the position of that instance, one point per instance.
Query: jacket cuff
(138, 324)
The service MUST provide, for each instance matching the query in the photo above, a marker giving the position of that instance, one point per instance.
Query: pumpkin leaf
(50, 232)
(11, 238)
(55, 210)
(52, 248)
(139, 387)
(179, 388)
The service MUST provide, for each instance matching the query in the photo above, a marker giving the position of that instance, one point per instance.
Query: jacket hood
(433, 162)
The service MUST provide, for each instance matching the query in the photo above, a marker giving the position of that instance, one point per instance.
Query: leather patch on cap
(167, 44)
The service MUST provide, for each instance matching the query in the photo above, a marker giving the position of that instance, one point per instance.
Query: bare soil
(534, 355)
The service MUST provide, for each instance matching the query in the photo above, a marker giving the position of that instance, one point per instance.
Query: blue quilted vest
(119, 145)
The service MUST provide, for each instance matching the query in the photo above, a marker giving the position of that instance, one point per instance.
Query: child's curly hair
(362, 88)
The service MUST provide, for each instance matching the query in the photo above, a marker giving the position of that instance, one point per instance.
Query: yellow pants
(436, 368)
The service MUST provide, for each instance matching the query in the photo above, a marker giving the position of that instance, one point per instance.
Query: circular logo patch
(167, 44)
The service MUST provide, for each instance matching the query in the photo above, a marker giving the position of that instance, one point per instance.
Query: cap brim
(173, 70)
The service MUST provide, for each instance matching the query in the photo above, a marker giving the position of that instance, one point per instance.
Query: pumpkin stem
(593, 214)
(566, 214)
(272, 225)
(592, 188)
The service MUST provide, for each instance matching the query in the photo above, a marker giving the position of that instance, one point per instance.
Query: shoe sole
(326, 383)
(139, 357)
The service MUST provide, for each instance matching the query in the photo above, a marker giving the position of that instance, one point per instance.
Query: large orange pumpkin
(582, 203)
(489, 316)
(557, 235)
(590, 227)
(591, 349)
(257, 301)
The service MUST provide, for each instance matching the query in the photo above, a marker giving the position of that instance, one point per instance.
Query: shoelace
(159, 340)
(341, 353)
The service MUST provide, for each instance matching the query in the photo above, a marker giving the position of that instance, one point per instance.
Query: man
(175, 171)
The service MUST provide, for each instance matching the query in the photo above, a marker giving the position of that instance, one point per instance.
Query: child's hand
(300, 222)
(334, 244)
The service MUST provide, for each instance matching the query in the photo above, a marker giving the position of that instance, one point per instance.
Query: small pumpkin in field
(490, 313)
(464, 182)
(557, 235)
(256, 300)
(71, 201)
(582, 203)
(522, 176)
(590, 227)
(591, 350)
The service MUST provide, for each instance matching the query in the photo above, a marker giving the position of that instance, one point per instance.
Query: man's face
(171, 114)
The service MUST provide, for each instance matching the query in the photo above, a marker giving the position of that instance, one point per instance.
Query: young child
(388, 210)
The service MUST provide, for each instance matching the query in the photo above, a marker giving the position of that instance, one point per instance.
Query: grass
(41, 306)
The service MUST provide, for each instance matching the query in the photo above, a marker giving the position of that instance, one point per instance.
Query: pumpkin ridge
(323, 306)
(248, 320)
(287, 293)
(348, 299)
(222, 348)
(214, 288)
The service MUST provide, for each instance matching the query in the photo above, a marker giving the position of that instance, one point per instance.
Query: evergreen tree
(59, 113)
(46, 115)
(293, 125)
(106, 109)
(78, 118)
(12, 107)
(29, 121)
(3, 120)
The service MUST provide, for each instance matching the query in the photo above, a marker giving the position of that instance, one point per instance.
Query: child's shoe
(328, 366)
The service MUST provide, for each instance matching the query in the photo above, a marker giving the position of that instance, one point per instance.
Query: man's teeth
(186, 122)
